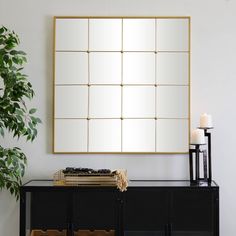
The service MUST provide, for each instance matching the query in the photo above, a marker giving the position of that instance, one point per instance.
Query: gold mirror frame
(123, 17)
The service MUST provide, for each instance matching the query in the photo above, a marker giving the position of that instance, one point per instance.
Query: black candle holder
(195, 172)
(206, 155)
(208, 135)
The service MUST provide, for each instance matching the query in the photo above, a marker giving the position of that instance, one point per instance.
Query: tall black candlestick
(208, 135)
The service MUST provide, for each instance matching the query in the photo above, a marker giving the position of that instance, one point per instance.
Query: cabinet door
(192, 212)
(145, 212)
(95, 212)
(49, 213)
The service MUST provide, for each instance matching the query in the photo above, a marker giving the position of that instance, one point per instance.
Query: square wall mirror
(121, 85)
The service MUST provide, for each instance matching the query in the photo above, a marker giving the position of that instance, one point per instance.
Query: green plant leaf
(2, 131)
(1, 30)
(32, 111)
(13, 52)
(14, 115)
(21, 53)
(38, 120)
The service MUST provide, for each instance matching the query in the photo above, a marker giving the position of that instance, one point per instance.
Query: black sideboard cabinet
(148, 208)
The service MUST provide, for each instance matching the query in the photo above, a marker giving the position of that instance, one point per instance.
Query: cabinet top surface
(132, 183)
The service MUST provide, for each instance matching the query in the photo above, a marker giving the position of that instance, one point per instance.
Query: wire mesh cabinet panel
(193, 212)
(145, 212)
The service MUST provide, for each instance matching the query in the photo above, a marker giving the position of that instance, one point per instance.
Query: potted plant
(15, 117)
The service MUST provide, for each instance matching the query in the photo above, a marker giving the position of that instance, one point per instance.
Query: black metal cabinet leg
(119, 215)
(170, 229)
(166, 230)
(22, 213)
(217, 214)
(70, 229)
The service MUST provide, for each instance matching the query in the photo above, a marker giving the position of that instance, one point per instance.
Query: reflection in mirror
(138, 135)
(139, 34)
(71, 102)
(172, 68)
(138, 68)
(105, 102)
(70, 135)
(72, 34)
(105, 68)
(139, 102)
(105, 35)
(172, 135)
(71, 68)
(105, 135)
(172, 34)
(172, 102)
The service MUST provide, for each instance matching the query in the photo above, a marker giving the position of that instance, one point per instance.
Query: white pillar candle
(205, 121)
(197, 136)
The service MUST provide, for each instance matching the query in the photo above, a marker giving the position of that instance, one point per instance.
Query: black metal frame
(22, 211)
(207, 163)
(120, 199)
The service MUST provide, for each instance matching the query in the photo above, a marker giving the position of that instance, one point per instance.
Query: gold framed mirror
(121, 85)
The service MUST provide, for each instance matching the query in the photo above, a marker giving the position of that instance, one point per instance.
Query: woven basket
(78, 233)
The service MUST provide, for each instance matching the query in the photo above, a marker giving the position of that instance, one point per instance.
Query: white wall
(213, 91)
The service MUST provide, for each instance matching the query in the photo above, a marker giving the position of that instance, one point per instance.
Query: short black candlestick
(197, 152)
(207, 164)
